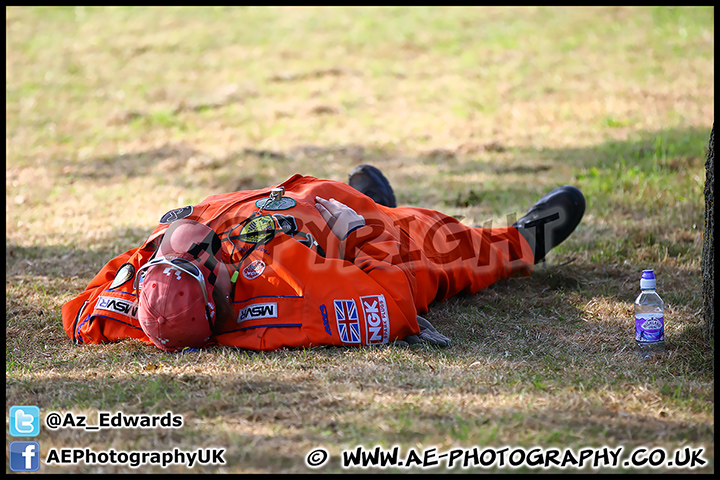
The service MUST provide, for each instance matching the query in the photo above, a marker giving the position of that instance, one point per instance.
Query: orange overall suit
(305, 287)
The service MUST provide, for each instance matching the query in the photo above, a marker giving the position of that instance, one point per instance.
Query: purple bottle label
(649, 328)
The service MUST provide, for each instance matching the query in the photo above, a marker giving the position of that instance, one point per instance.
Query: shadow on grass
(69, 261)
(607, 171)
(664, 153)
(205, 395)
(274, 417)
(671, 150)
(578, 315)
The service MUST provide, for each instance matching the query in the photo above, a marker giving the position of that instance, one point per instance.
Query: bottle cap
(647, 280)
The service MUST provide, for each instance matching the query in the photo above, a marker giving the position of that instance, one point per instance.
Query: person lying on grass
(308, 262)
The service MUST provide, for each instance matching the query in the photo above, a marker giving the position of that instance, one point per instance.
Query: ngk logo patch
(377, 320)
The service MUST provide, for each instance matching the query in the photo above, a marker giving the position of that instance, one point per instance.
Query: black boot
(552, 219)
(370, 181)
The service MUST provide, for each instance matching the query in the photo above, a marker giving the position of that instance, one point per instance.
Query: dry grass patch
(116, 115)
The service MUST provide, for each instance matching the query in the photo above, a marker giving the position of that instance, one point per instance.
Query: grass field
(116, 115)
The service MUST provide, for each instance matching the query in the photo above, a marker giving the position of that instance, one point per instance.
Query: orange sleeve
(313, 295)
(375, 251)
(106, 310)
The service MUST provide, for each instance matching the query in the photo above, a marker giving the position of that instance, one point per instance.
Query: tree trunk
(708, 252)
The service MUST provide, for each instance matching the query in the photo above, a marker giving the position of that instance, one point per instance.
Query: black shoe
(370, 181)
(552, 219)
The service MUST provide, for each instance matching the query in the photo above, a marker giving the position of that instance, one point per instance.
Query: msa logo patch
(258, 310)
(377, 320)
(117, 305)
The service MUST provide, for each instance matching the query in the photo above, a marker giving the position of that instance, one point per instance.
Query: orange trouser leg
(450, 258)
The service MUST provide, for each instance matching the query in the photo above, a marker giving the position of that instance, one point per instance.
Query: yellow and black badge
(258, 229)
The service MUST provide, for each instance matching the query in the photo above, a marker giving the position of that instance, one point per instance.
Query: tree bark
(708, 252)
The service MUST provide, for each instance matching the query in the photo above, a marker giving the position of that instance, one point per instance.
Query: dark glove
(428, 334)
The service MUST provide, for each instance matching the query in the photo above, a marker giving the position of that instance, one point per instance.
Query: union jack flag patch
(348, 322)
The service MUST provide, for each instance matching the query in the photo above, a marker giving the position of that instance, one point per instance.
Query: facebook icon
(24, 456)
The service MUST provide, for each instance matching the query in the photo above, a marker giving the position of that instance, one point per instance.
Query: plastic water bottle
(649, 317)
